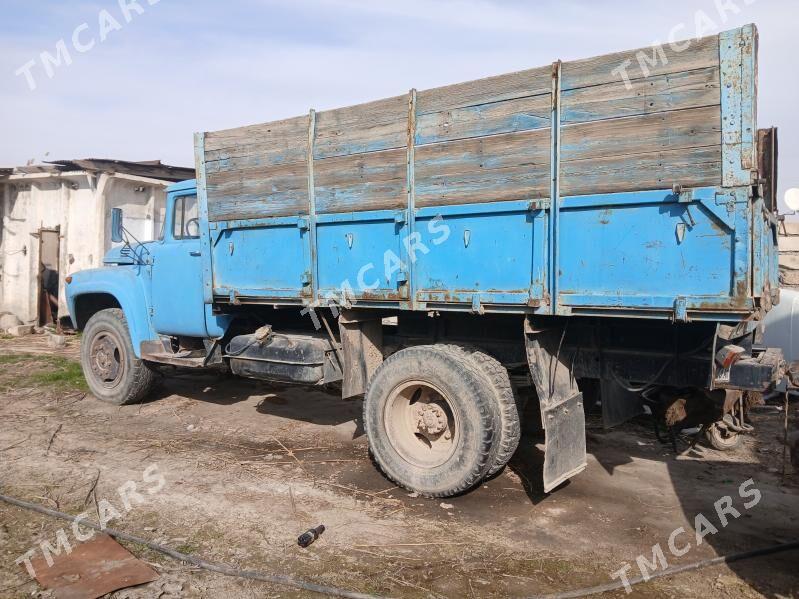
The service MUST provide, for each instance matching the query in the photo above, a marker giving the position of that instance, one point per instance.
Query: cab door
(177, 285)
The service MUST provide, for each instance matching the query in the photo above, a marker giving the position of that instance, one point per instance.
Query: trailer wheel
(722, 438)
(429, 416)
(111, 368)
(509, 406)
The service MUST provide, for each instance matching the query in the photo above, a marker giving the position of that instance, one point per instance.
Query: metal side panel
(360, 256)
(480, 255)
(562, 415)
(263, 258)
(678, 253)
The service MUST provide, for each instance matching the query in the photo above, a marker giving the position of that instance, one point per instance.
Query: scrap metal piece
(92, 569)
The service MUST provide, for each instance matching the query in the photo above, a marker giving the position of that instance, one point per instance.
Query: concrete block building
(56, 220)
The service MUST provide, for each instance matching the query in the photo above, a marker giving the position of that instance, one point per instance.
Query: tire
(508, 406)
(723, 439)
(112, 370)
(429, 415)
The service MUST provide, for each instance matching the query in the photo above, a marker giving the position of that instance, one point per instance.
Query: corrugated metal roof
(153, 169)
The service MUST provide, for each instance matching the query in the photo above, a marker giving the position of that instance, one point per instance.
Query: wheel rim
(106, 359)
(421, 424)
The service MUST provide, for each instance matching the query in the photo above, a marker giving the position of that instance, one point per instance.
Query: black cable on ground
(200, 563)
(724, 559)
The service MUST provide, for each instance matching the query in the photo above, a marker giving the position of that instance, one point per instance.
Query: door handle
(195, 253)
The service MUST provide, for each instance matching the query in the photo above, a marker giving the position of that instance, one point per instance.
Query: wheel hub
(421, 424)
(430, 419)
(105, 359)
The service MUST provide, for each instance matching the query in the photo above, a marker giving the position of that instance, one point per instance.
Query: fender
(127, 285)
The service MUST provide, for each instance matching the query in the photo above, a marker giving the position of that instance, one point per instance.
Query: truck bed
(557, 190)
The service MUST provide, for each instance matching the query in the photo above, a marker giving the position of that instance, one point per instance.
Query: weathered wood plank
(258, 192)
(256, 156)
(286, 132)
(250, 204)
(371, 127)
(699, 54)
(484, 169)
(507, 116)
(675, 91)
(511, 86)
(371, 181)
(692, 167)
(642, 134)
(497, 185)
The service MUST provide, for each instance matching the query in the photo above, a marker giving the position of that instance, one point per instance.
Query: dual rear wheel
(441, 418)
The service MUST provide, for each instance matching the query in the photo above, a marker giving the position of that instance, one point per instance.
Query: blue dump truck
(596, 231)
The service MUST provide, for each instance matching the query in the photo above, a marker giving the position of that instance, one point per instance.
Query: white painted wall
(81, 206)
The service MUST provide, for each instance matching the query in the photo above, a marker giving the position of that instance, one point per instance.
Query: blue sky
(185, 66)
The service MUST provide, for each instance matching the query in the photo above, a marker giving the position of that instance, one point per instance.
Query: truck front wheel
(430, 420)
(111, 368)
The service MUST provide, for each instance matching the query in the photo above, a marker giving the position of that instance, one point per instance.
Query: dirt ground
(248, 466)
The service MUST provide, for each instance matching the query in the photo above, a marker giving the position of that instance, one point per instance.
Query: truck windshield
(185, 221)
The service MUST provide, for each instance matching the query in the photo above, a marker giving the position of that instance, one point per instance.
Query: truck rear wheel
(508, 406)
(429, 416)
(111, 368)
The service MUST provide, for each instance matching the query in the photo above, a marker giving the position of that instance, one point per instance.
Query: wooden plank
(530, 82)
(508, 116)
(700, 54)
(286, 132)
(371, 127)
(692, 167)
(696, 127)
(484, 169)
(370, 181)
(250, 204)
(258, 192)
(676, 91)
(256, 155)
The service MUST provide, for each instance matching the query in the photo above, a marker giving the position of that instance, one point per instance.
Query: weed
(53, 372)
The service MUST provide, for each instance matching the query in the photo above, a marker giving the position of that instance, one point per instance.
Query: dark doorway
(49, 243)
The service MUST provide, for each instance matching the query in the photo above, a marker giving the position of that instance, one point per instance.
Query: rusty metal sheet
(91, 570)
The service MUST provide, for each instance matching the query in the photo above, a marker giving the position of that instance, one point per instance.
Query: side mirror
(116, 225)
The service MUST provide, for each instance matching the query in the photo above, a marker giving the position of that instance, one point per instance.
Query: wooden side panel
(360, 157)
(371, 127)
(694, 167)
(366, 181)
(513, 166)
(658, 127)
(532, 82)
(675, 91)
(509, 116)
(484, 141)
(622, 115)
(258, 171)
(643, 63)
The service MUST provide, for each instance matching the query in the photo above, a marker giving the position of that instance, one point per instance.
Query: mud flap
(562, 415)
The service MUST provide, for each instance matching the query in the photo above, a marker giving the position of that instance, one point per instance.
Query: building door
(48, 276)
